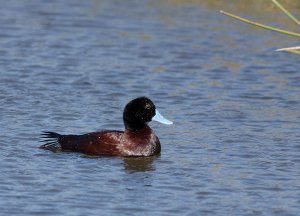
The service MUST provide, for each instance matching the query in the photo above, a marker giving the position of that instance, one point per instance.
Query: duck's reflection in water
(139, 164)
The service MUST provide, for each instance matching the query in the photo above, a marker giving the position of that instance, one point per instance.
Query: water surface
(71, 66)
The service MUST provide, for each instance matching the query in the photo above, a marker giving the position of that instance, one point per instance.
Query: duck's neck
(143, 129)
(134, 126)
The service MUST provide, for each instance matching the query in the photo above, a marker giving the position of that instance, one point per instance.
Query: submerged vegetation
(282, 31)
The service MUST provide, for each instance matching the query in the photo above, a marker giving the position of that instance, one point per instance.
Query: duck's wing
(96, 143)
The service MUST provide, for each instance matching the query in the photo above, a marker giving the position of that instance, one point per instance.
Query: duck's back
(96, 143)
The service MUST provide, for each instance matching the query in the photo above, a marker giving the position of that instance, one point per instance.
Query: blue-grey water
(71, 66)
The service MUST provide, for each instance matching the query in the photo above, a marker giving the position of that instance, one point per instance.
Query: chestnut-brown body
(113, 143)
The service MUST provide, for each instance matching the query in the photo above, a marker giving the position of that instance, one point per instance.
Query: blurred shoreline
(242, 5)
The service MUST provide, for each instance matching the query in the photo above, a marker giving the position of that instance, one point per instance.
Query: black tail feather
(51, 141)
(49, 134)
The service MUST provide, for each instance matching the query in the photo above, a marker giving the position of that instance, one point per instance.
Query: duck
(137, 140)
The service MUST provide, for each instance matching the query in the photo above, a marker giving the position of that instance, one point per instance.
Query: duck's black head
(138, 112)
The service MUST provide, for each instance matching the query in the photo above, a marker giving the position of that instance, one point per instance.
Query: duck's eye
(147, 106)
